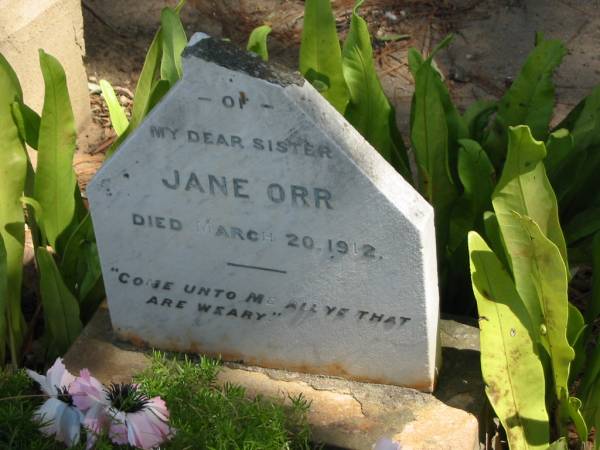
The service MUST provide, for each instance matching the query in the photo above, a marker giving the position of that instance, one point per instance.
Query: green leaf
(591, 402)
(91, 288)
(541, 277)
(150, 71)
(13, 169)
(583, 225)
(257, 42)
(415, 59)
(457, 127)
(117, 143)
(524, 188)
(55, 179)
(3, 300)
(159, 90)
(174, 41)
(575, 194)
(580, 354)
(494, 237)
(71, 255)
(593, 310)
(430, 139)
(583, 190)
(576, 337)
(583, 122)
(559, 146)
(117, 113)
(320, 54)
(512, 371)
(560, 444)
(61, 311)
(530, 99)
(476, 174)
(36, 233)
(369, 110)
(38, 213)
(575, 324)
(81, 270)
(477, 117)
(28, 122)
(574, 408)
(591, 376)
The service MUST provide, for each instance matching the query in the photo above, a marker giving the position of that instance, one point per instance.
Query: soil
(492, 39)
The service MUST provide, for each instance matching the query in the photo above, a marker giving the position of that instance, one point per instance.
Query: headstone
(246, 218)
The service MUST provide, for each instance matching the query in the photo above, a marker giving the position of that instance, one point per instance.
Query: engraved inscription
(251, 306)
(221, 186)
(212, 138)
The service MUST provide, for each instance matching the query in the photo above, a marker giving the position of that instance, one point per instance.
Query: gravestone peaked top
(246, 218)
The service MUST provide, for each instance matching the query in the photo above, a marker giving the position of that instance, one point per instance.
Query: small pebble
(458, 74)
(94, 88)
(391, 16)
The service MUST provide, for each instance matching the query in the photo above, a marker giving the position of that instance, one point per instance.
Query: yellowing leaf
(512, 371)
(115, 110)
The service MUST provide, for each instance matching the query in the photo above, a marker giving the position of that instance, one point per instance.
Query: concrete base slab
(343, 413)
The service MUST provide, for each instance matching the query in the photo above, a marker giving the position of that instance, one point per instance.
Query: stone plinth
(343, 413)
(57, 27)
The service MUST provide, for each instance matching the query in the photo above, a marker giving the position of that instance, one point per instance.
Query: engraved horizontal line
(266, 269)
(205, 98)
(264, 105)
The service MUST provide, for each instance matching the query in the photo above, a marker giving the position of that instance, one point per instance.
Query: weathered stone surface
(57, 27)
(343, 413)
(245, 217)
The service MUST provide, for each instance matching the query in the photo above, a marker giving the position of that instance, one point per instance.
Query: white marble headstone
(246, 218)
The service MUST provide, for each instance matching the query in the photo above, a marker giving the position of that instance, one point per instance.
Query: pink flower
(89, 396)
(129, 416)
(57, 415)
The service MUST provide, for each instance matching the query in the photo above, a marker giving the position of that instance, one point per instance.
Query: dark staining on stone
(228, 55)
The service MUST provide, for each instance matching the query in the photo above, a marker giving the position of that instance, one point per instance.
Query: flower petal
(158, 406)
(46, 415)
(58, 375)
(146, 430)
(117, 429)
(60, 420)
(96, 418)
(43, 382)
(87, 391)
(69, 426)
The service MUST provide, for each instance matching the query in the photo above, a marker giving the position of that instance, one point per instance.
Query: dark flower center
(63, 395)
(126, 397)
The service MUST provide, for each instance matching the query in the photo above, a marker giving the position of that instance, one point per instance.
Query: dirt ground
(492, 39)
